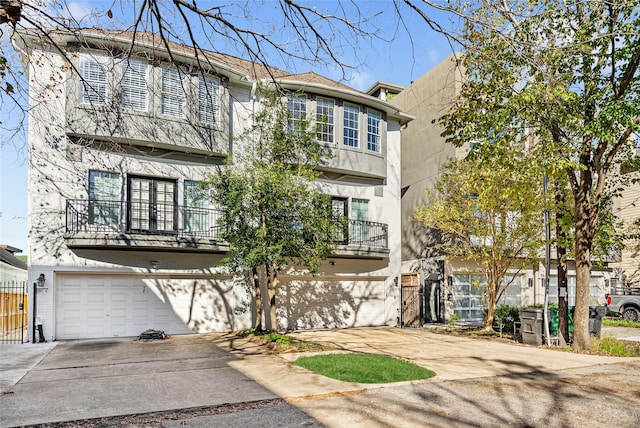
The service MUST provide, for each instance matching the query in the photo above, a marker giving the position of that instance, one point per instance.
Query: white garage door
(102, 306)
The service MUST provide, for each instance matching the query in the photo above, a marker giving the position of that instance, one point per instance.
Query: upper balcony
(150, 234)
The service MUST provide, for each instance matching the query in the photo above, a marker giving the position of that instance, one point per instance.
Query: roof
(238, 69)
(7, 257)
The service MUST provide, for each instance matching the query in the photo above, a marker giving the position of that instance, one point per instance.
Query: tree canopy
(567, 76)
(273, 213)
(488, 216)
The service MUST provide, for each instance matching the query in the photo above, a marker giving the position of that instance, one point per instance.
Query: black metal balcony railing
(90, 216)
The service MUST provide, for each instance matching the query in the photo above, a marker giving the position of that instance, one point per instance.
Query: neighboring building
(436, 286)
(113, 227)
(14, 303)
(627, 208)
(11, 267)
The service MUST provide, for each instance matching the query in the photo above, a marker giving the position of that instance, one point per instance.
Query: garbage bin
(531, 320)
(596, 313)
(554, 321)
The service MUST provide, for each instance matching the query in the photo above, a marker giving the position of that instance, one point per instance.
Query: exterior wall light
(40, 280)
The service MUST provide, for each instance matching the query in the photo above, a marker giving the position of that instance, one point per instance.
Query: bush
(506, 315)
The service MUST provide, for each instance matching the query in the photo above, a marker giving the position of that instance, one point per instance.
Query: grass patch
(363, 368)
(615, 322)
(615, 347)
(277, 343)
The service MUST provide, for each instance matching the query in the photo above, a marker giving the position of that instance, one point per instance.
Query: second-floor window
(134, 85)
(351, 125)
(173, 93)
(104, 198)
(324, 116)
(373, 131)
(93, 72)
(208, 100)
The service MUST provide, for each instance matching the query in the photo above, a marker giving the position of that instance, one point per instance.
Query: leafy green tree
(489, 217)
(567, 76)
(273, 214)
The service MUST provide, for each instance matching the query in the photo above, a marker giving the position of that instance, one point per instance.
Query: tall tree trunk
(272, 282)
(257, 316)
(583, 244)
(492, 292)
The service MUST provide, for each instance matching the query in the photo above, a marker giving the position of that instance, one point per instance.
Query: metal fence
(144, 217)
(89, 216)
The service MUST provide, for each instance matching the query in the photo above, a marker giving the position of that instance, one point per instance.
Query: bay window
(351, 124)
(373, 131)
(324, 116)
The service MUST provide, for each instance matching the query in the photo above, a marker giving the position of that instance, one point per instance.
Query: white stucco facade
(122, 276)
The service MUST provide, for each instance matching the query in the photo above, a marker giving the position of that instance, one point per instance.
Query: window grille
(324, 117)
(351, 115)
(373, 131)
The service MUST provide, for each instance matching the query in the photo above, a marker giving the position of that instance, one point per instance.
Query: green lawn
(363, 368)
(615, 322)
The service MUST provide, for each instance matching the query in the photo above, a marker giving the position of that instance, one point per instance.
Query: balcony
(95, 227)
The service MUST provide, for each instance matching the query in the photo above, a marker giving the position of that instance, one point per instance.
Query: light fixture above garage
(154, 264)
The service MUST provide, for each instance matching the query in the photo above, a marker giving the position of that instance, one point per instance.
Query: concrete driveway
(101, 378)
(98, 378)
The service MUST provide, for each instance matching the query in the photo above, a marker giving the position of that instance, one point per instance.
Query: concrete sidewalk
(91, 379)
(450, 357)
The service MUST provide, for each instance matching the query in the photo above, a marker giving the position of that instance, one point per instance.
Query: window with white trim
(325, 108)
(134, 85)
(173, 94)
(351, 124)
(297, 106)
(93, 71)
(373, 131)
(208, 100)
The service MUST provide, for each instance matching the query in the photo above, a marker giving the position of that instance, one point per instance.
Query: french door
(152, 205)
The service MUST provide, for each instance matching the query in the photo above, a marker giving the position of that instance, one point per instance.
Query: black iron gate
(14, 314)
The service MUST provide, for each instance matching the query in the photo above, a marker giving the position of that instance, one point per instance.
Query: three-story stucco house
(119, 132)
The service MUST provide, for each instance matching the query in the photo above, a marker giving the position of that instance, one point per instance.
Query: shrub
(506, 315)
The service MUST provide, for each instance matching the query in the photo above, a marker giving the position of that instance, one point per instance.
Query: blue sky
(401, 53)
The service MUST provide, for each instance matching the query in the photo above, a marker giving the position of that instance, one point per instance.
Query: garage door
(102, 306)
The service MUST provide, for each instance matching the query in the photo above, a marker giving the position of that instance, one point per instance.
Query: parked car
(626, 303)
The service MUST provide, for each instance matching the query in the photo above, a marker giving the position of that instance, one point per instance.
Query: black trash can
(531, 320)
(596, 313)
